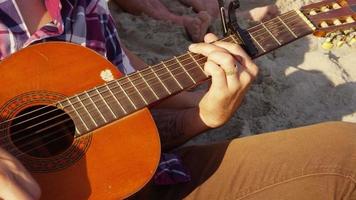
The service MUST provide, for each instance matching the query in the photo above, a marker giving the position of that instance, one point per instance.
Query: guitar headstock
(333, 19)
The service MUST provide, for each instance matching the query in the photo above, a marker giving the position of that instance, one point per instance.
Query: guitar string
(42, 138)
(102, 106)
(26, 144)
(150, 73)
(125, 97)
(71, 112)
(13, 150)
(184, 55)
(291, 13)
(278, 26)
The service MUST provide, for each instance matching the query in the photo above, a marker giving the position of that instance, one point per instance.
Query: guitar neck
(279, 31)
(128, 94)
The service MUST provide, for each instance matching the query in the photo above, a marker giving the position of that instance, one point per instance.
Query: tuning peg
(350, 19)
(328, 43)
(353, 41)
(339, 40)
(336, 6)
(312, 12)
(351, 38)
(333, 39)
(324, 9)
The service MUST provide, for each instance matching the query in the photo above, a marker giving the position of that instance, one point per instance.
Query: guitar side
(111, 162)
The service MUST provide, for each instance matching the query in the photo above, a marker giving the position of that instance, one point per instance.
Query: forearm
(178, 126)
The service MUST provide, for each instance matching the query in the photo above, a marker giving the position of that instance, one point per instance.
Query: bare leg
(196, 26)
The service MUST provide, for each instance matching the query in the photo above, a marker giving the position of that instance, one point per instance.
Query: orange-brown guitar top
(112, 162)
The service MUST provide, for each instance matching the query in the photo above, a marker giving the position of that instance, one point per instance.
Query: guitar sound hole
(42, 131)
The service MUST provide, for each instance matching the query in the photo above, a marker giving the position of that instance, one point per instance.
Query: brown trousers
(313, 162)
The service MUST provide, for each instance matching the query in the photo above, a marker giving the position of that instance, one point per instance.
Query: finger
(233, 48)
(240, 55)
(205, 48)
(228, 63)
(218, 78)
(210, 38)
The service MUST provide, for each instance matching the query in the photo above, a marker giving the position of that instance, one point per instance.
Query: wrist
(191, 122)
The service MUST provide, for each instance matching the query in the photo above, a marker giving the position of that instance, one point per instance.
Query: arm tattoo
(169, 123)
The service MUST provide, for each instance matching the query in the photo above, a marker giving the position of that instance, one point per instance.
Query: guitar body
(112, 162)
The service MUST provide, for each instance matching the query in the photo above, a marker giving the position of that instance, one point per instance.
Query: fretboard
(279, 31)
(116, 99)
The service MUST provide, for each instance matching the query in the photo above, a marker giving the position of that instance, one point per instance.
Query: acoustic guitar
(84, 131)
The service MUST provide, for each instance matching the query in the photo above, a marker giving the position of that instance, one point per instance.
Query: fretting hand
(231, 71)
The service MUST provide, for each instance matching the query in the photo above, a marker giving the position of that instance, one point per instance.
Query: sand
(299, 84)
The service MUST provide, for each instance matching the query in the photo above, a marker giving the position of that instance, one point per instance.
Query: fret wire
(294, 15)
(128, 77)
(94, 104)
(301, 24)
(287, 27)
(185, 70)
(271, 34)
(169, 92)
(117, 100)
(172, 75)
(195, 61)
(107, 105)
(202, 59)
(159, 79)
(222, 39)
(145, 89)
(192, 68)
(282, 34)
(179, 73)
(289, 14)
(126, 95)
(258, 42)
(62, 108)
(72, 105)
(154, 93)
(80, 117)
(254, 39)
(199, 66)
(85, 108)
(266, 39)
(234, 40)
(75, 110)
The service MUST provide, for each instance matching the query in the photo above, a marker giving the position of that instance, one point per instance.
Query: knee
(335, 136)
(338, 129)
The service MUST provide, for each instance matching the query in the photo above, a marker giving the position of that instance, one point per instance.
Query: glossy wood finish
(122, 156)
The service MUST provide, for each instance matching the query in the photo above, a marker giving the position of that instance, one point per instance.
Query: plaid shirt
(85, 22)
(88, 23)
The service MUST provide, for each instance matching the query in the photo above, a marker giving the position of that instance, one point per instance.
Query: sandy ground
(299, 84)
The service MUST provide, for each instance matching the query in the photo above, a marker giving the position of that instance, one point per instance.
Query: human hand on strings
(263, 13)
(15, 182)
(232, 71)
